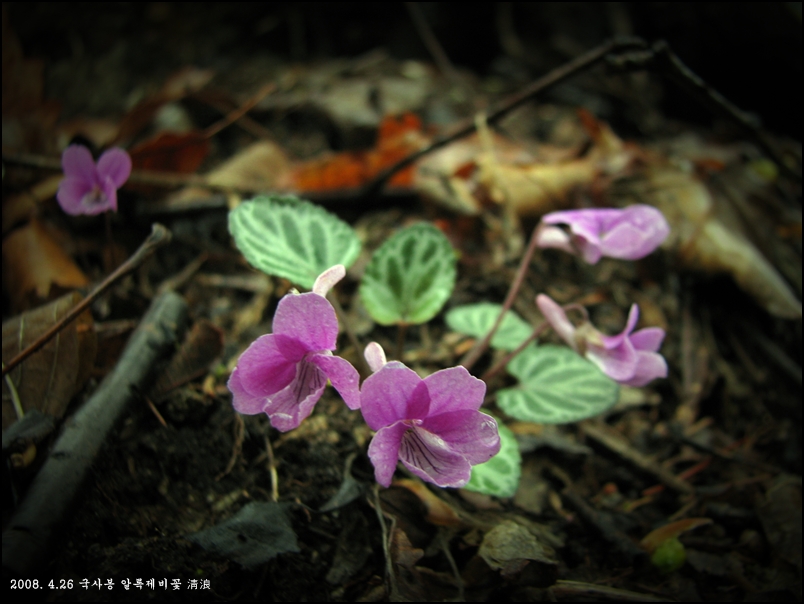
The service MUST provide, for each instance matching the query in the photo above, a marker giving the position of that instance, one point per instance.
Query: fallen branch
(37, 523)
(159, 236)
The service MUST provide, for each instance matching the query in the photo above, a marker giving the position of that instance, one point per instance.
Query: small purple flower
(629, 358)
(432, 425)
(90, 189)
(283, 374)
(628, 234)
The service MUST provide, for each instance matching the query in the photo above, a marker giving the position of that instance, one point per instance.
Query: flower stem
(477, 351)
(507, 359)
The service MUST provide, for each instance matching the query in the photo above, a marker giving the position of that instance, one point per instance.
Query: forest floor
(717, 443)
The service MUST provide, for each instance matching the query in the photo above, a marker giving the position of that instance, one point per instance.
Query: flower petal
(384, 451)
(649, 339)
(471, 433)
(77, 162)
(385, 395)
(650, 366)
(343, 375)
(611, 342)
(288, 407)
(269, 364)
(242, 400)
(308, 318)
(618, 363)
(454, 389)
(71, 192)
(114, 164)
(430, 458)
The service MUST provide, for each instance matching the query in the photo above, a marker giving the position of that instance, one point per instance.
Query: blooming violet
(88, 188)
(432, 425)
(629, 358)
(628, 234)
(284, 373)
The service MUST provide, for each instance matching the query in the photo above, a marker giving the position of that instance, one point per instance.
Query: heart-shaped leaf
(499, 476)
(287, 237)
(410, 276)
(557, 386)
(477, 319)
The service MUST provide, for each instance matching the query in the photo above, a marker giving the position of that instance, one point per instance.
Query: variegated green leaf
(287, 237)
(410, 276)
(477, 319)
(556, 386)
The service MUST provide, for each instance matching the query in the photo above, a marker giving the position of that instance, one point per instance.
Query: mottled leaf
(290, 238)
(556, 386)
(410, 277)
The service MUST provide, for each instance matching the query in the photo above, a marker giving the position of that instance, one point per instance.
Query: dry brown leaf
(23, 206)
(202, 345)
(260, 166)
(34, 263)
(49, 378)
(705, 237)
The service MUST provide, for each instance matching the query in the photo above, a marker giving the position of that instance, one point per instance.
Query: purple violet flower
(90, 189)
(629, 358)
(432, 425)
(628, 234)
(284, 373)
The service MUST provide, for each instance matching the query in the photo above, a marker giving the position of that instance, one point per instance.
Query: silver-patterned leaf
(556, 386)
(410, 276)
(499, 476)
(286, 237)
(477, 319)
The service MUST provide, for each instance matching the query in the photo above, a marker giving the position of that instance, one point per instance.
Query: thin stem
(159, 236)
(401, 331)
(507, 359)
(477, 351)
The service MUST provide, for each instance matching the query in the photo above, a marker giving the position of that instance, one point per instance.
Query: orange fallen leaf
(397, 137)
(35, 266)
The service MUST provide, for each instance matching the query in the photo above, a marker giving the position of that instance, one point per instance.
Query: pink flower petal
(650, 366)
(343, 375)
(454, 389)
(385, 395)
(431, 458)
(308, 318)
(472, 434)
(288, 407)
(114, 164)
(383, 451)
(269, 364)
(649, 339)
(243, 401)
(617, 363)
(71, 192)
(77, 162)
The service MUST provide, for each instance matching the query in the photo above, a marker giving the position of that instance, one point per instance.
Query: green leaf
(477, 319)
(557, 386)
(499, 476)
(287, 237)
(410, 276)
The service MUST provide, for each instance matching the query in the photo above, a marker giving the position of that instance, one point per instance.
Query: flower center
(94, 198)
